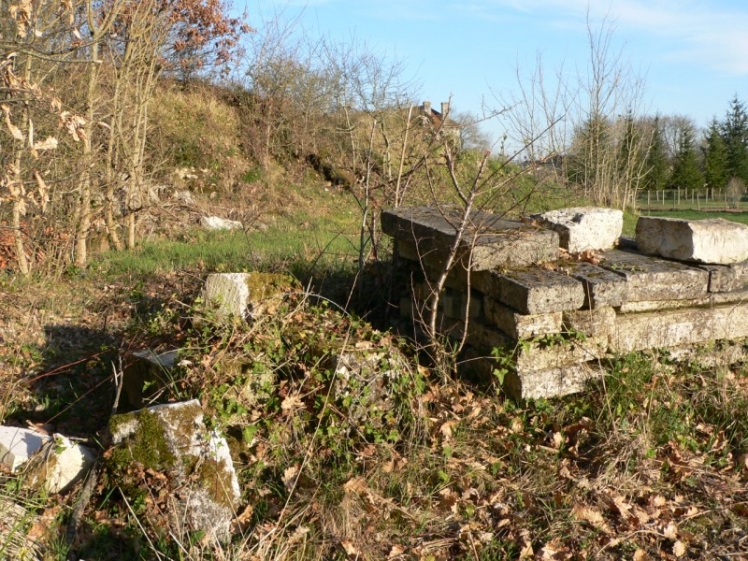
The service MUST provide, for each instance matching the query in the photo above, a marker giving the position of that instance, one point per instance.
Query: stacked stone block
(558, 317)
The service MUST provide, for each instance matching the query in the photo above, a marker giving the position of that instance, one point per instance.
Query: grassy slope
(649, 464)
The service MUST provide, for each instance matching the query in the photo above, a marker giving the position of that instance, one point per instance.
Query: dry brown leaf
(591, 515)
(557, 440)
(679, 549)
(355, 485)
(446, 430)
(289, 476)
(640, 555)
(670, 531)
(448, 500)
(291, 404)
(49, 143)
(242, 522)
(15, 132)
(396, 551)
(350, 547)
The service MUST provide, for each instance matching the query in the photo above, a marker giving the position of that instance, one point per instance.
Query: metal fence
(697, 199)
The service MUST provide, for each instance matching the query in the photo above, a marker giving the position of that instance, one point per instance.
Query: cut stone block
(59, 465)
(713, 241)
(245, 295)
(648, 278)
(17, 445)
(498, 242)
(542, 355)
(584, 228)
(726, 278)
(636, 332)
(708, 301)
(532, 291)
(520, 326)
(172, 439)
(552, 382)
(601, 287)
(596, 322)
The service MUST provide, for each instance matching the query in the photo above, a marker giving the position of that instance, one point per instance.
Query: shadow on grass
(74, 390)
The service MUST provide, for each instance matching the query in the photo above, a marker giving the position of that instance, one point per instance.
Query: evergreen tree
(735, 136)
(656, 164)
(715, 157)
(686, 172)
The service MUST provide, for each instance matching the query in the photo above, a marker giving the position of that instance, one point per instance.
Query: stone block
(59, 465)
(648, 278)
(659, 330)
(601, 287)
(557, 353)
(18, 444)
(489, 241)
(584, 228)
(712, 241)
(553, 382)
(245, 295)
(727, 278)
(455, 306)
(709, 301)
(172, 439)
(595, 322)
(217, 223)
(520, 326)
(532, 291)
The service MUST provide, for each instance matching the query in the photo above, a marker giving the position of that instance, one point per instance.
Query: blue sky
(692, 54)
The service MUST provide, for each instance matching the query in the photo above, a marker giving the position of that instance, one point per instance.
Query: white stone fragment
(209, 488)
(17, 445)
(714, 241)
(230, 292)
(218, 223)
(60, 464)
(584, 228)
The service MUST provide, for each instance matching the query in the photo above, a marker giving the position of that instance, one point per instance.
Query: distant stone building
(440, 122)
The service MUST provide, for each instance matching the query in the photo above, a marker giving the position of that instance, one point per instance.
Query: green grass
(228, 251)
(741, 217)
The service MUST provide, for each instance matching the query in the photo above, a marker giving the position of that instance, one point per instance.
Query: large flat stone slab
(489, 241)
(726, 278)
(552, 382)
(659, 330)
(602, 287)
(595, 322)
(558, 353)
(533, 290)
(584, 228)
(709, 301)
(714, 241)
(649, 278)
(520, 326)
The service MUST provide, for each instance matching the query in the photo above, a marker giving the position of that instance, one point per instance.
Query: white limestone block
(59, 465)
(218, 223)
(17, 445)
(714, 241)
(584, 228)
(172, 439)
